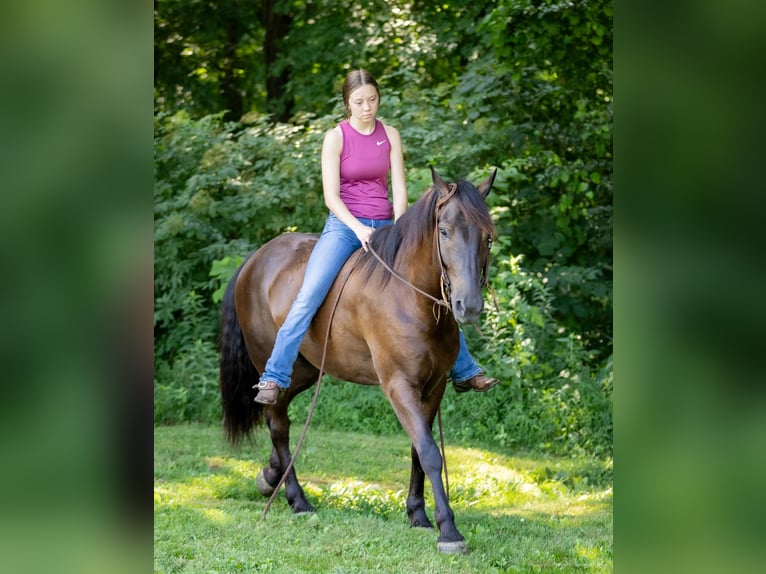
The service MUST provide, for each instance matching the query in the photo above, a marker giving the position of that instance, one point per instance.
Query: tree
(207, 57)
(523, 85)
(276, 20)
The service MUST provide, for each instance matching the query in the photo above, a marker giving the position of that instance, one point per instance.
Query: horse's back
(278, 268)
(266, 287)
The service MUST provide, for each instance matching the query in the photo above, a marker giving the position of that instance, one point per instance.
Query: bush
(187, 389)
(220, 193)
(550, 397)
(520, 85)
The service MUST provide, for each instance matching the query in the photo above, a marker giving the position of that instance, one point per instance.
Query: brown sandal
(268, 392)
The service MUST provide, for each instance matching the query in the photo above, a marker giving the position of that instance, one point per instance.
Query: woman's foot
(478, 383)
(268, 392)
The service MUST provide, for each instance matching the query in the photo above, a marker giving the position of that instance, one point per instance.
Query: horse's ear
(486, 185)
(439, 184)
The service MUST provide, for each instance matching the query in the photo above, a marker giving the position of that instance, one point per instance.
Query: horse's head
(464, 232)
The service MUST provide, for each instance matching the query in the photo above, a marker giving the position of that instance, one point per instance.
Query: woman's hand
(363, 234)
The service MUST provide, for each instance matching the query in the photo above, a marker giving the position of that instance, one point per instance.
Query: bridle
(444, 281)
(446, 287)
(438, 303)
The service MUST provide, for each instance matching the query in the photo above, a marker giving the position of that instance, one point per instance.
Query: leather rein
(438, 304)
(444, 281)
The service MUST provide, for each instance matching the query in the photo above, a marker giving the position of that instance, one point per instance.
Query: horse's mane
(416, 226)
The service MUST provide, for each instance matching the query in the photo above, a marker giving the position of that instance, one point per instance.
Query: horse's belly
(366, 342)
(347, 355)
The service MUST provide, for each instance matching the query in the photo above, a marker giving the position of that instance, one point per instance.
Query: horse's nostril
(467, 309)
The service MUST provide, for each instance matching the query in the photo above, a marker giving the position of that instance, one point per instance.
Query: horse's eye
(443, 232)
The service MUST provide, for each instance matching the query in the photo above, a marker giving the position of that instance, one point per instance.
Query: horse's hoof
(458, 547)
(303, 508)
(263, 485)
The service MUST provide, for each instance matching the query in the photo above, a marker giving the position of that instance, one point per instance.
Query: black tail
(237, 373)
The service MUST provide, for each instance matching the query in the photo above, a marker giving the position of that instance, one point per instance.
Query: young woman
(357, 157)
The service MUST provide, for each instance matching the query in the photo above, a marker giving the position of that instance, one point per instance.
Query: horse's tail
(237, 373)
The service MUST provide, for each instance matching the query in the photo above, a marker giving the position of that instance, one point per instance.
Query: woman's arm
(331, 149)
(398, 183)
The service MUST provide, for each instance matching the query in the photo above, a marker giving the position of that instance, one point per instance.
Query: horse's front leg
(410, 411)
(279, 427)
(416, 504)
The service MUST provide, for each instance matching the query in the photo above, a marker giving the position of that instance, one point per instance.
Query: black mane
(416, 226)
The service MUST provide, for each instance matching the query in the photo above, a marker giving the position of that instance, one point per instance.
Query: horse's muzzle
(467, 309)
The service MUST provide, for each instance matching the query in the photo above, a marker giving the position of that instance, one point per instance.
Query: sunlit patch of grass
(216, 515)
(521, 513)
(188, 493)
(590, 553)
(358, 495)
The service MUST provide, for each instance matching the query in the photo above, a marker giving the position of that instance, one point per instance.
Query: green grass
(518, 512)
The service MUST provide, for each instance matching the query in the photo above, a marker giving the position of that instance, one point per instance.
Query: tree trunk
(276, 23)
(231, 92)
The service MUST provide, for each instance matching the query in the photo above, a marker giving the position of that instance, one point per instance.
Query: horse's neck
(422, 269)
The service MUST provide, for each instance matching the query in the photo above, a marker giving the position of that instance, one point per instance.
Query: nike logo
(381, 142)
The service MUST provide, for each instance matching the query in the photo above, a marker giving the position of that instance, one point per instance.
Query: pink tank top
(364, 164)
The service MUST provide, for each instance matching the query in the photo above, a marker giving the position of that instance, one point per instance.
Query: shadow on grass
(518, 513)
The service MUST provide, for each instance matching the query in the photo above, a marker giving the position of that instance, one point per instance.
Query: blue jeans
(335, 245)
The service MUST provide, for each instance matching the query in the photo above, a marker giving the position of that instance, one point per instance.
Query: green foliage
(223, 270)
(550, 397)
(187, 390)
(523, 86)
(348, 407)
(207, 56)
(220, 191)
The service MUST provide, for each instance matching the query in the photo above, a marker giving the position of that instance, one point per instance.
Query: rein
(444, 278)
(316, 391)
(444, 302)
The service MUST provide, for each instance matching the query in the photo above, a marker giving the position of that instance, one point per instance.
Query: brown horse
(383, 331)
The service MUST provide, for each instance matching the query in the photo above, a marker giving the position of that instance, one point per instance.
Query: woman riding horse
(377, 324)
(356, 158)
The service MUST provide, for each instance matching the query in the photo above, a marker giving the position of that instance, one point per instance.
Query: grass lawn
(518, 512)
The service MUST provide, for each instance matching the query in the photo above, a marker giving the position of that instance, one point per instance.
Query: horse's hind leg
(304, 376)
(279, 427)
(269, 476)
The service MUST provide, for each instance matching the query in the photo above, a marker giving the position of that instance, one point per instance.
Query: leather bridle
(446, 287)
